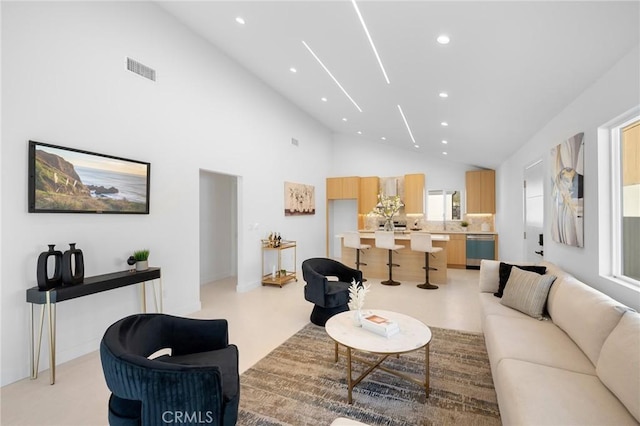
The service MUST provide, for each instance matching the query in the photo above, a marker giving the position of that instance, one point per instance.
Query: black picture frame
(69, 180)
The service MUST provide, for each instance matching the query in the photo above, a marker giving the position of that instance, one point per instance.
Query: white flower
(357, 292)
(387, 206)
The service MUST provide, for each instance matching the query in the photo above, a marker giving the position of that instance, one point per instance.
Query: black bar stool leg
(426, 285)
(390, 281)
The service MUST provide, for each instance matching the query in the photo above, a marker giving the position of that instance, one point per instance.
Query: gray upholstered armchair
(329, 297)
(197, 383)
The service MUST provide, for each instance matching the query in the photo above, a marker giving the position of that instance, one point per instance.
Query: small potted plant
(464, 225)
(142, 259)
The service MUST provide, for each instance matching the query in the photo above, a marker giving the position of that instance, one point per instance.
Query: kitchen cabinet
(414, 193)
(367, 197)
(457, 251)
(343, 188)
(481, 191)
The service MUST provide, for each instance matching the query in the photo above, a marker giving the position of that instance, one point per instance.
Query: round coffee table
(413, 335)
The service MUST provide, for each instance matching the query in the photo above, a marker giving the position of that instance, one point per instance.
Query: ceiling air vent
(140, 69)
(294, 142)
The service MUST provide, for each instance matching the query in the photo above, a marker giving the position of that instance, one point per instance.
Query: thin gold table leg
(349, 384)
(51, 311)
(31, 345)
(143, 297)
(426, 370)
(41, 327)
(161, 295)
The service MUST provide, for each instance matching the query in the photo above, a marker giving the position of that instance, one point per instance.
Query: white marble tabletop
(413, 335)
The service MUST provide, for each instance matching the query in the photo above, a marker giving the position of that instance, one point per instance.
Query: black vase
(72, 266)
(46, 282)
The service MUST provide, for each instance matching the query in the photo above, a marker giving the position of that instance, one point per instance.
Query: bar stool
(387, 240)
(352, 240)
(421, 241)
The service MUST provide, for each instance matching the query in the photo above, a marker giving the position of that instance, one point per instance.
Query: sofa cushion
(533, 394)
(504, 273)
(531, 340)
(491, 305)
(619, 363)
(560, 274)
(585, 314)
(490, 275)
(527, 292)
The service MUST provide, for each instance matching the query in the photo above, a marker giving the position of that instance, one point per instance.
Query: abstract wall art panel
(299, 199)
(567, 197)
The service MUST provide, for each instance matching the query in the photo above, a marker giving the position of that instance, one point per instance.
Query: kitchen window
(620, 143)
(443, 204)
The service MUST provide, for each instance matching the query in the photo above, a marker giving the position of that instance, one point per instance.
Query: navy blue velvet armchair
(197, 384)
(329, 297)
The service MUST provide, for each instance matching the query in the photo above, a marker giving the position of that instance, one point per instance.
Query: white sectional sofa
(578, 366)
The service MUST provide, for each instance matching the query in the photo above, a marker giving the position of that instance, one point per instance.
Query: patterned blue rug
(299, 384)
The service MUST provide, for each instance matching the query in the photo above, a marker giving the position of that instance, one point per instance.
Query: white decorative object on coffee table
(413, 335)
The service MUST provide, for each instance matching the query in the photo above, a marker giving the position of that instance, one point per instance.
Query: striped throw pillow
(527, 292)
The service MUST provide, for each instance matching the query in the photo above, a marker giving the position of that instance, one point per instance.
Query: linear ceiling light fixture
(406, 124)
(331, 75)
(373, 46)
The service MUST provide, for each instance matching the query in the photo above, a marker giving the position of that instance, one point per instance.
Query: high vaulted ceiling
(509, 68)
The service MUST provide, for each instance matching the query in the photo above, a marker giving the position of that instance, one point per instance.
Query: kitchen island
(411, 262)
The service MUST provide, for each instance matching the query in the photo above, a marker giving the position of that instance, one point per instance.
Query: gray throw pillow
(527, 292)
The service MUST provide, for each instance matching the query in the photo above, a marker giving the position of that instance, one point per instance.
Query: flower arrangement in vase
(357, 293)
(388, 206)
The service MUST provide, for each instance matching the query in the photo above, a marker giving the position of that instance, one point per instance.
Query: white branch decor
(357, 292)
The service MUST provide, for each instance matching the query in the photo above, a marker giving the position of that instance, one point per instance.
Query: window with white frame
(443, 204)
(625, 212)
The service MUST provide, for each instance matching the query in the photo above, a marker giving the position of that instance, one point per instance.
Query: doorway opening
(534, 212)
(218, 227)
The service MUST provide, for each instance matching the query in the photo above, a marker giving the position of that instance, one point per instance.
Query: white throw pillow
(527, 292)
(489, 275)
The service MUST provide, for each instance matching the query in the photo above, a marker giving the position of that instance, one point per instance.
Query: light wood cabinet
(341, 188)
(457, 251)
(631, 154)
(414, 193)
(481, 191)
(367, 197)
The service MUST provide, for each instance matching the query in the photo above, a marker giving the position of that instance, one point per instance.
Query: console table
(90, 285)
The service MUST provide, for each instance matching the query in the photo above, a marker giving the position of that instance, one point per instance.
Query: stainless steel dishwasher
(480, 246)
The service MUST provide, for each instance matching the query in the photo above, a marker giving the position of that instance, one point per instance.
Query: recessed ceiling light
(417, 146)
(444, 152)
(445, 142)
(359, 132)
(443, 94)
(344, 118)
(293, 70)
(240, 20)
(383, 138)
(444, 124)
(323, 99)
(443, 39)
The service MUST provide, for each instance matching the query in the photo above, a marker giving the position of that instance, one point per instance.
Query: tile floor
(259, 321)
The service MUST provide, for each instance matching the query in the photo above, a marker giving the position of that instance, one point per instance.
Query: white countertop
(408, 231)
(400, 235)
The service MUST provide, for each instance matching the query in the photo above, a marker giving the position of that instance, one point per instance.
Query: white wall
(64, 82)
(613, 94)
(356, 156)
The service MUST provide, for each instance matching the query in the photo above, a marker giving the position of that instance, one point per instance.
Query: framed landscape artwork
(567, 178)
(299, 199)
(66, 180)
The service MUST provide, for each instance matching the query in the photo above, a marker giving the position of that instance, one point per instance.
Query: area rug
(299, 384)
